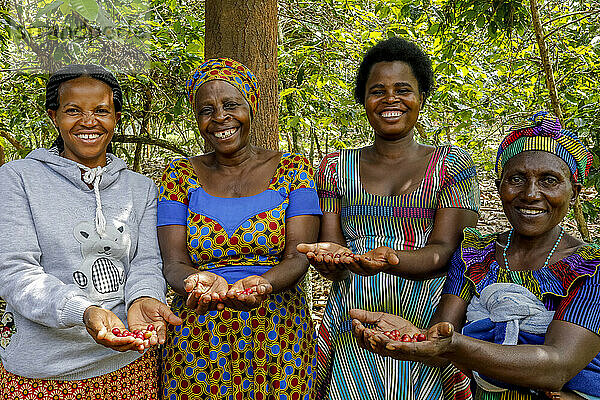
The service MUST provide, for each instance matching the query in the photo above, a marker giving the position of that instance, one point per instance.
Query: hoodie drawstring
(92, 176)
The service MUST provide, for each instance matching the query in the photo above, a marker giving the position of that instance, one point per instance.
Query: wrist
(88, 310)
(141, 298)
(453, 345)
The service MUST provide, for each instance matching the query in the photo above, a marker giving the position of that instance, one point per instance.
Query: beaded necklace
(515, 276)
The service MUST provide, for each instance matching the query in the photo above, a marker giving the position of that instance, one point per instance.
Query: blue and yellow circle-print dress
(268, 352)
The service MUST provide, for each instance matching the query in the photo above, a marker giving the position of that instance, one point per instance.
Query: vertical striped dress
(402, 222)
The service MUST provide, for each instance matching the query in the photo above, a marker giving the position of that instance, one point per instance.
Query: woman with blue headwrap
(528, 299)
(228, 225)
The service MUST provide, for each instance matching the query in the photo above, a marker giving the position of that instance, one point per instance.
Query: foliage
(486, 62)
(150, 45)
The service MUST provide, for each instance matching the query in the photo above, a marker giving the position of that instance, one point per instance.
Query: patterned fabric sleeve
(172, 197)
(456, 281)
(582, 304)
(303, 193)
(327, 184)
(460, 188)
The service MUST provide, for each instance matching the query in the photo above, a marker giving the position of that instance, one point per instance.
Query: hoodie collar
(70, 170)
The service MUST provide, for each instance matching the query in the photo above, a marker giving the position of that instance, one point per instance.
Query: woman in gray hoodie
(79, 257)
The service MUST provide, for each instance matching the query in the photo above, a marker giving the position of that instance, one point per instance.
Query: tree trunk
(548, 72)
(246, 30)
(2, 158)
(551, 85)
(144, 130)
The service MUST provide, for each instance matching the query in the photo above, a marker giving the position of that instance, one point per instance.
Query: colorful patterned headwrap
(542, 132)
(227, 70)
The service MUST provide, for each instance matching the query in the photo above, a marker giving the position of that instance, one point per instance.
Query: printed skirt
(263, 354)
(136, 381)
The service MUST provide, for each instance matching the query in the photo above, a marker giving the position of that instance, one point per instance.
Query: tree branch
(551, 85)
(151, 141)
(569, 23)
(12, 140)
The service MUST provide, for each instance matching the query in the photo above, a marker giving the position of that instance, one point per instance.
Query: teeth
(530, 212)
(88, 136)
(225, 134)
(391, 114)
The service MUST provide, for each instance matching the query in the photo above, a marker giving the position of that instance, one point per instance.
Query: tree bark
(246, 30)
(551, 85)
(144, 130)
(2, 158)
(548, 72)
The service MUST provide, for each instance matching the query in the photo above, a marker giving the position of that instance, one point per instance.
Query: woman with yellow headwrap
(529, 298)
(228, 225)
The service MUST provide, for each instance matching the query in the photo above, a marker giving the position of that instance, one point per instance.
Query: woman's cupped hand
(327, 258)
(146, 316)
(208, 292)
(333, 260)
(393, 336)
(100, 322)
(248, 293)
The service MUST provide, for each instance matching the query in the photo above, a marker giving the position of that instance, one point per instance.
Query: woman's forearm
(535, 366)
(428, 262)
(175, 273)
(287, 273)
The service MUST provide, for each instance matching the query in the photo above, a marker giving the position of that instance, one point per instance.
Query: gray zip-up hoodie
(62, 249)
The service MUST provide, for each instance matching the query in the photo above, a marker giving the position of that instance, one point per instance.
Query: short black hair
(74, 71)
(395, 49)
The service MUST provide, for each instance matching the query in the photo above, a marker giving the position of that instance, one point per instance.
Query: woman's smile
(392, 115)
(393, 100)
(226, 133)
(536, 191)
(223, 116)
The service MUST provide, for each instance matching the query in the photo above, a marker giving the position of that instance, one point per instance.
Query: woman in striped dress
(404, 206)
(530, 296)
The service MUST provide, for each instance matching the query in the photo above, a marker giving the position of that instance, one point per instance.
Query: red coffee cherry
(421, 337)
(116, 331)
(150, 328)
(406, 338)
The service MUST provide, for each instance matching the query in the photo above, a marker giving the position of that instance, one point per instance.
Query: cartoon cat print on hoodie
(102, 274)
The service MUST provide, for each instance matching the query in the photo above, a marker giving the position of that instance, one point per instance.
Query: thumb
(365, 316)
(165, 312)
(392, 257)
(102, 332)
(190, 282)
(444, 329)
(306, 247)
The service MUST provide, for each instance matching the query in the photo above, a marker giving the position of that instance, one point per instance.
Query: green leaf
(480, 21)
(433, 29)
(103, 19)
(86, 8)
(287, 91)
(49, 9)
(65, 8)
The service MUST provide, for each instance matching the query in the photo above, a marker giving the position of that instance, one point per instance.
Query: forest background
(495, 61)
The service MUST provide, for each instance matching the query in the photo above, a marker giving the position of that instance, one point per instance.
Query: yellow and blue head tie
(543, 132)
(227, 70)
